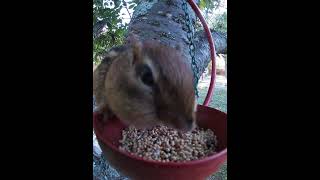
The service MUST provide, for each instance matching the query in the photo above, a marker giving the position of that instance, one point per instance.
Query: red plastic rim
(173, 164)
(196, 9)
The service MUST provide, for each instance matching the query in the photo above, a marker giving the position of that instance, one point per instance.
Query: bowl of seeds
(165, 153)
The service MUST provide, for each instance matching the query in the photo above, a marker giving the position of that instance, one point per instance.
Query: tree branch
(202, 53)
(98, 27)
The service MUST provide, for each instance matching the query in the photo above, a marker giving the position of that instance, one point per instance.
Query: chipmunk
(146, 84)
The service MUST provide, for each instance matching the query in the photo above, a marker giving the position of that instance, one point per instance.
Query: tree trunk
(203, 51)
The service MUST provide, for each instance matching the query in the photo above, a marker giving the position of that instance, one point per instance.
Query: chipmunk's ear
(100, 70)
(136, 45)
(113, 52)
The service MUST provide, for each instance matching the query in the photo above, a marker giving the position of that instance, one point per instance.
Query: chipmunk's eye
(145, 75)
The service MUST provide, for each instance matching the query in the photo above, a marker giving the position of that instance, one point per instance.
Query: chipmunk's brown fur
(146, 84)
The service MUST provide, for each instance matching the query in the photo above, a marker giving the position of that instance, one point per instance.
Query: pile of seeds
(165, 144)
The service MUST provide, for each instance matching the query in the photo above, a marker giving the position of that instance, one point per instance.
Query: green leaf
(202, 4)
(116, 30)
(132, 6)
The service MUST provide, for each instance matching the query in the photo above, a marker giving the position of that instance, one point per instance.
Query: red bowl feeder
(109, 134)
